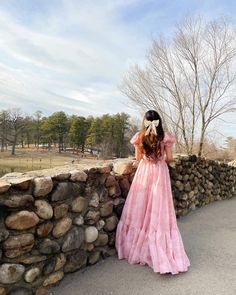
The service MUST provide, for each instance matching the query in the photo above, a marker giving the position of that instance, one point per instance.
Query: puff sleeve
(135, 140)
(169, 139)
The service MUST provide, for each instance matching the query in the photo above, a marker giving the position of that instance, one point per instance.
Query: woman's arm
(169, 154)
(138, 154)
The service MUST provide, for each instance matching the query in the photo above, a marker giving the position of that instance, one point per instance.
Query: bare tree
(38, 117)
(17, 124)
(189, 79)
(4, 128)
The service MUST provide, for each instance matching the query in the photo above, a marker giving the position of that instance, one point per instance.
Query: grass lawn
(27, 159)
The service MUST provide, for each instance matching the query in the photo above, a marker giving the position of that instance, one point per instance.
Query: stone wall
(57, 221)
(197, 182)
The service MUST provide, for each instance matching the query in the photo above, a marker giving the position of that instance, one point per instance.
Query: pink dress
(147, 232)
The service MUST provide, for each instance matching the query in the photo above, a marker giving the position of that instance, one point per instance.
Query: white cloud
(47, 67)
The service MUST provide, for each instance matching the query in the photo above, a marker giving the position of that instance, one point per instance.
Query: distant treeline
(108, 134)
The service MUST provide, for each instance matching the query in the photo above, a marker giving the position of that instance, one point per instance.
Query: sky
(71, 55)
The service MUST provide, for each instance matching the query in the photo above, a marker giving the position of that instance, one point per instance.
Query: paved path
(209, 236)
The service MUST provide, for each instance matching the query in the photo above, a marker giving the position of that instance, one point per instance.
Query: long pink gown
(147, 232)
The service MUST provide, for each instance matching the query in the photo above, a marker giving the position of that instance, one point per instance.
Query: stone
(2, 291)
(102, 240)
(61, 227)
(33, 259)
(92, 217)
(79, 220)
(108, 252)
(53, 278)
(79, 204)
(106, 209)
(41, 291)
(22, 183)
(62, 176)
(38, 282)
(91, 234)
(111, 239)
(78, 176)
(187, 187)
(104, 170)
(4, 234)
(73, 239)
(42, 186)
(135, 164)
(100, 224)
(118, 201)
(4, 186)
(114, 191)
(103, 193)
(16, 201)
(66, 190)
(75, 261)
(201, 189)
(210, 185)
(12, 175)
(11, 273)
(94, 202)
(123, 167)
(184, 197)
(89, 247)
(125, 186)
(18, 245)
(61, 211)
(92, 170)
(44, 229)
(21, 291)
(43, 209)
(111, 223)
(60, 261)
(191, 194)
(131, 177)
(102, 179)
(179, 185)
(32, 274)
(94, 257)
(22, 220)
(186, 177)
(110, 181)
(49, 247)
(49, 266)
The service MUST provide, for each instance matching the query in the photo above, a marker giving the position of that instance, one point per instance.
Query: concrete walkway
(209, 236)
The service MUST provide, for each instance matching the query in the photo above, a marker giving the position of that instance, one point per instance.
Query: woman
(147, 232)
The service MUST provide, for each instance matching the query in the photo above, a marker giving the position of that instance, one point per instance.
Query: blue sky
(71, 55)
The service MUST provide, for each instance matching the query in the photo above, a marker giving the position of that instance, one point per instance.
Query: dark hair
(152, 149)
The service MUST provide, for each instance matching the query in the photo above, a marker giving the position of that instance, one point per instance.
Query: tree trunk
(2, 145)
(201, 142)
(14, 146)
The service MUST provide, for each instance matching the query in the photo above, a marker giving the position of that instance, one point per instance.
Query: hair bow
(151, 125)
